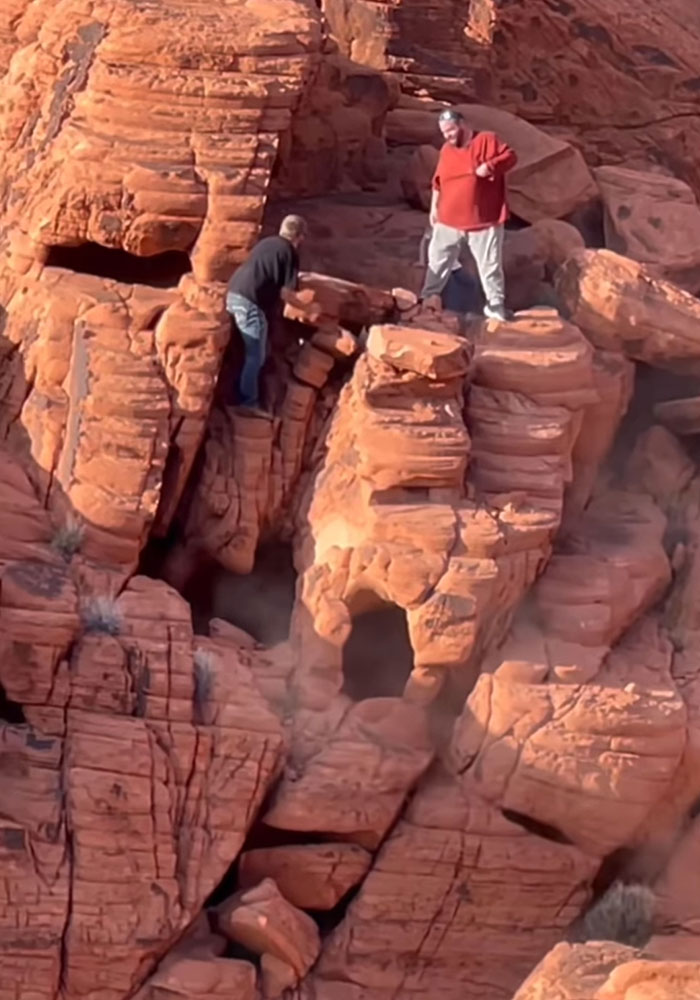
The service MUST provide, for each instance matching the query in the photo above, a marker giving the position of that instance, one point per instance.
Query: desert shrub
(68, 538)
(203, 678)
(625, 913)
(101, 616)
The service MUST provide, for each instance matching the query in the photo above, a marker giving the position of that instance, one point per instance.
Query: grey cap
(450, 115)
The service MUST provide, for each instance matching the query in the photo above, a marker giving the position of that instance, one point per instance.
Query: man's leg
(443, 251)
(486, 246)
(252, 324)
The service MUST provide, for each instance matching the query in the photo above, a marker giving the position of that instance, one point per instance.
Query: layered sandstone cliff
(483, 716)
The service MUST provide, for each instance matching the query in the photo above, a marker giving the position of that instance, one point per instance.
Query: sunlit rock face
(137, 144)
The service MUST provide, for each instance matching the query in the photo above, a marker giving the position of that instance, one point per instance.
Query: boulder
(562, 731)
(654, 219)
(447, 910)
(603, 969)
(310, 876)
(355, 786)
(620, 306)
(264, 922)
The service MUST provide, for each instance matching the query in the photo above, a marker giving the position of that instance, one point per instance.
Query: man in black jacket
(254, 291)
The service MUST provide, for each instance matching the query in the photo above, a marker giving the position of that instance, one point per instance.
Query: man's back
(273, 264)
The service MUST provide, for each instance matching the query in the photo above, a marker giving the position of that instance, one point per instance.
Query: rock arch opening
(378, 657)
(162, 270)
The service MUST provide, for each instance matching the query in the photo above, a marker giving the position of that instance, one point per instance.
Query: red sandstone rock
(574, 70)
(621, 307)
(113, 377)
(607, 971)
(660, 466)
(346, 302)
(276, 975)
(186, 170)
(310, 876)
(576, 752)
(654, 219)
(445, 908)
(336, 135)
(9, 18)
(195, 968)
(252, 467)
(532, 255)
(132, 752)
(677, 888)
(601, 79)
(146, 754)
(530, 381)
(433, 355)
(355, 786)
(614, 380)
(264, 922)
(104, 439)
(681, 415)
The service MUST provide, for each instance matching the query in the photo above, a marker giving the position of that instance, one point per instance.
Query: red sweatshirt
(465, 200)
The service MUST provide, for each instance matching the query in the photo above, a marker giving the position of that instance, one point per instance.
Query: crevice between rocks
(11, 712)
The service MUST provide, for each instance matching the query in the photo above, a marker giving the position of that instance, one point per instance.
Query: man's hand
(484, 170)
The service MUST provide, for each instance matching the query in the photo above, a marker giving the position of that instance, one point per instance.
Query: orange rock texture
(594, 971)
(478, 719)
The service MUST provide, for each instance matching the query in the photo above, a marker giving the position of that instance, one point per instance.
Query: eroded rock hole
(259, 602)
(162, 270)
(377, 658)
(328, 920)
(11, 711)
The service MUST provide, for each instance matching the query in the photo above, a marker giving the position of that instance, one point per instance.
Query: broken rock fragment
(311, 876)
(264, 922)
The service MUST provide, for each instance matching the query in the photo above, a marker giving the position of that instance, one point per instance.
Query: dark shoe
(499, 313)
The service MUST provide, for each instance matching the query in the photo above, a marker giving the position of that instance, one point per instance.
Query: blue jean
(252, 323)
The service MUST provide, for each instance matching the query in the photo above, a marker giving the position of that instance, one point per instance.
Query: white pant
(486, 247)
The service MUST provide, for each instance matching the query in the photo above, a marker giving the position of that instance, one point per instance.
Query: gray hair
(293, 227)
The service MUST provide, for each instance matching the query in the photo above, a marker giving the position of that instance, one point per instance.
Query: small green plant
(203, 679)
(625, 913)
(101, 616)
(69, 537)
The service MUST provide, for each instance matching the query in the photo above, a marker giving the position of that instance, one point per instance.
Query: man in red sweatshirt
(469, 205)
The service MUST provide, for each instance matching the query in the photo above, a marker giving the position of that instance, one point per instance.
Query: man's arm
(495, 155)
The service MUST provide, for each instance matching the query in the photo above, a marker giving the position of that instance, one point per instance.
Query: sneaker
(497, 312)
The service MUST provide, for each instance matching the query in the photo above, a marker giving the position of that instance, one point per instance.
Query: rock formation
(482, 720)
(594, 971)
